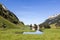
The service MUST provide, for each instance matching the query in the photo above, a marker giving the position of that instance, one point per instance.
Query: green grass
(53, 26)
(14, 32)
(10, 25)
(10, 34)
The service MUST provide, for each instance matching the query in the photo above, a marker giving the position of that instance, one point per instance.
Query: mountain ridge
(11, 18)
(55, 19)
(7, 14)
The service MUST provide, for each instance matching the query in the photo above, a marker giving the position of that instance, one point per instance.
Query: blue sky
(33, 11)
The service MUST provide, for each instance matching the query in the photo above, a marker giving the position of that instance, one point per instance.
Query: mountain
(8, 18)
(7, 14)
(55, 19)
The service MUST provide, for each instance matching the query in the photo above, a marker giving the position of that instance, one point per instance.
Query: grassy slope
(53, 26)
(10, 25)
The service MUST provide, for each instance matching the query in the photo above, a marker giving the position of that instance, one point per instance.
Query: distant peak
(53, 16)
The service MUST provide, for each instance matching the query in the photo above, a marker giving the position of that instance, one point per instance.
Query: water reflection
(37, 32)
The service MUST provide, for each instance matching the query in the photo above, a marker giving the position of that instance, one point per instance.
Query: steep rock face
(7, 14)
(55, 19)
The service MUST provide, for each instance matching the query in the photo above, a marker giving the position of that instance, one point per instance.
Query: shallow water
(37, 32)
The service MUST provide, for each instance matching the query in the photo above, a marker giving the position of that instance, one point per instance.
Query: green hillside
(7, 14)
(8, 19)
(7, 23)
